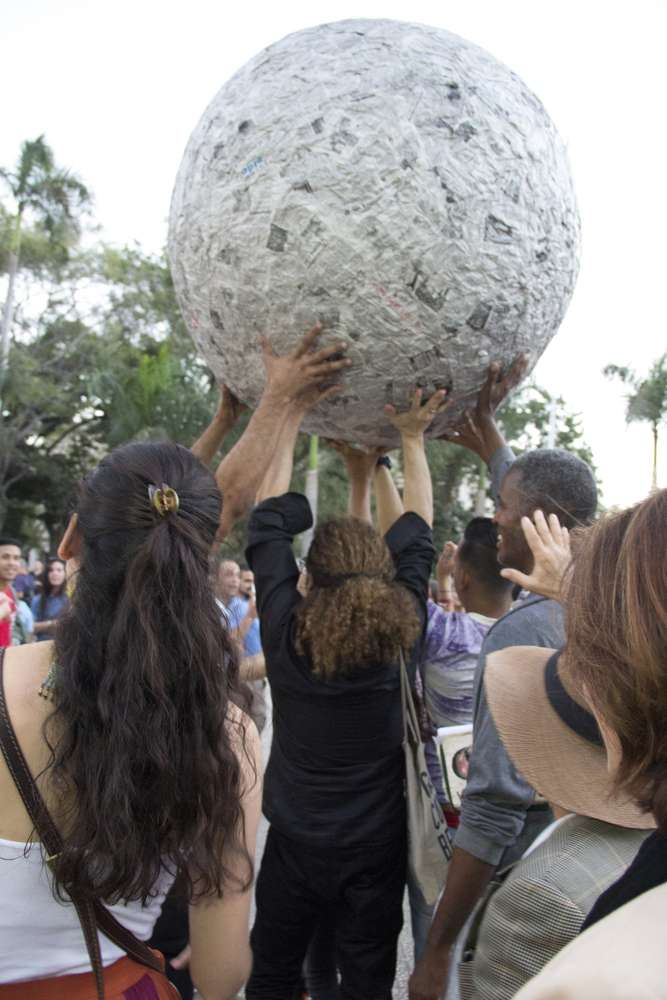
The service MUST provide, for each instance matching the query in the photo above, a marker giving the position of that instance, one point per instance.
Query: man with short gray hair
(499, 813)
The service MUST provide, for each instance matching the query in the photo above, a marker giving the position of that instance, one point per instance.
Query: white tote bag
(429, 842)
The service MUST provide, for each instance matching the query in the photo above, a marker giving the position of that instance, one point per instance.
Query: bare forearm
(359, 501)
(418, 490)
(492, 439)
(388, 503)
(278, 475)
(253, 668)
(46, 626)
(241, 471)
(467, 879)
(207, 446)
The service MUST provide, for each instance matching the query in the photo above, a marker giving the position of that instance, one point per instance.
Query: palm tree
(647, 400)
(51, 197)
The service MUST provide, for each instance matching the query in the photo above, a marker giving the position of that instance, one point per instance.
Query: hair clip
(163, 499)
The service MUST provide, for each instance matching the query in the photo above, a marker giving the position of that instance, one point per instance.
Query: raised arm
(418, 489)
(278, 475)
(477, 429)
(388, 503)
(359, 465)
(225, 417)
(301, 375)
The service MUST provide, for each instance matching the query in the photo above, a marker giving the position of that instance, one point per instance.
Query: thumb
(515, 576)
(182, 960)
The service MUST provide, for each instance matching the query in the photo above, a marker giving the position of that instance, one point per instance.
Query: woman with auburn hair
(336, 848)
(616, 659)
(147, 767)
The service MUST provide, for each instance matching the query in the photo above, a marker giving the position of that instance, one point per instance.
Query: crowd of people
(132, 777)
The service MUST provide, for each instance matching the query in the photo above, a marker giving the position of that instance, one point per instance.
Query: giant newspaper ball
(393, 181)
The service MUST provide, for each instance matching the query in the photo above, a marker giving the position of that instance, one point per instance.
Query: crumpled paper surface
(395, 182)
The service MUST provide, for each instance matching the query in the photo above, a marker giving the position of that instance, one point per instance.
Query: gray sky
(118, 87)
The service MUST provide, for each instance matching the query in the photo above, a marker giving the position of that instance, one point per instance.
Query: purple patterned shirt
(448, 663)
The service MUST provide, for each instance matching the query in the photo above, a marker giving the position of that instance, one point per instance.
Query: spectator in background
(10, 562)
(227, 589)
(52, 601)
(252, 663)
(24, 584)
(454, 638)
(37, 571)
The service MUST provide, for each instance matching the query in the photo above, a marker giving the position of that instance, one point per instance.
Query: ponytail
(142, 733)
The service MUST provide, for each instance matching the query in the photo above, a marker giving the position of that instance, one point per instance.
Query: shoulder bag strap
(410, 721)
(92, 915)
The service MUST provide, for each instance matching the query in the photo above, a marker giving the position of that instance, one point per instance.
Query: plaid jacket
(541, 905)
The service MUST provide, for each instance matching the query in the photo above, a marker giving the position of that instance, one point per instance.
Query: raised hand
(302, 376)
(230, 408)
(445, 565)
(415, 421)
(549, 542)
(477, 429)
(359, 462)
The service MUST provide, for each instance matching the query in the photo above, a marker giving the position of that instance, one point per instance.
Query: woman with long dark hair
(334, 795)
(52, 600)
(129, 723)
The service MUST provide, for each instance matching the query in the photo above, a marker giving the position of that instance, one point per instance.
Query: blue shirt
(55, 605)
(252, 644)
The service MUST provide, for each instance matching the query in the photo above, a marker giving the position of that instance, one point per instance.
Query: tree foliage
(646, 400)
(101, 356)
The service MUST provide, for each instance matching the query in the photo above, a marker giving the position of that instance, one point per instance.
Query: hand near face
(549, 543)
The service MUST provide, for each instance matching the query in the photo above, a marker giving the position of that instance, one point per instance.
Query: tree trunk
(654, 478)
(8, 309)
(481, 498)
(311, 492)
(7, 316)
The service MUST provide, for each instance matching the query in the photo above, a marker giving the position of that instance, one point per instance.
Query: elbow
(228, 985)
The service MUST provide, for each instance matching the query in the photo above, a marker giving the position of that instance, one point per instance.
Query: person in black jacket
(334, 783)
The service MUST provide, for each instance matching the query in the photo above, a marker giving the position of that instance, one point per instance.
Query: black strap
(92, 915)
(574, 715)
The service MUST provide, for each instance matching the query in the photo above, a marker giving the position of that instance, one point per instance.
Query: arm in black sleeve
(271, 530)
(410, 542)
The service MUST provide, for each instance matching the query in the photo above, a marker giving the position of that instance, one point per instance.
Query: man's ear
(70, 546)
(463, 580)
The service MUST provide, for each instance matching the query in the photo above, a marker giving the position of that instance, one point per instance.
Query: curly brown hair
(354, 615)
(617, 641)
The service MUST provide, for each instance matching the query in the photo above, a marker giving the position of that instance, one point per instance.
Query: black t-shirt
(647, 871)
(335, 775)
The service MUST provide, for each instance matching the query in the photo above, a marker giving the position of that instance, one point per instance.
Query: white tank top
(41, 937)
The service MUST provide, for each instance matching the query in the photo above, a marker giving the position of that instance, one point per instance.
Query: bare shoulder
(24, 670)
